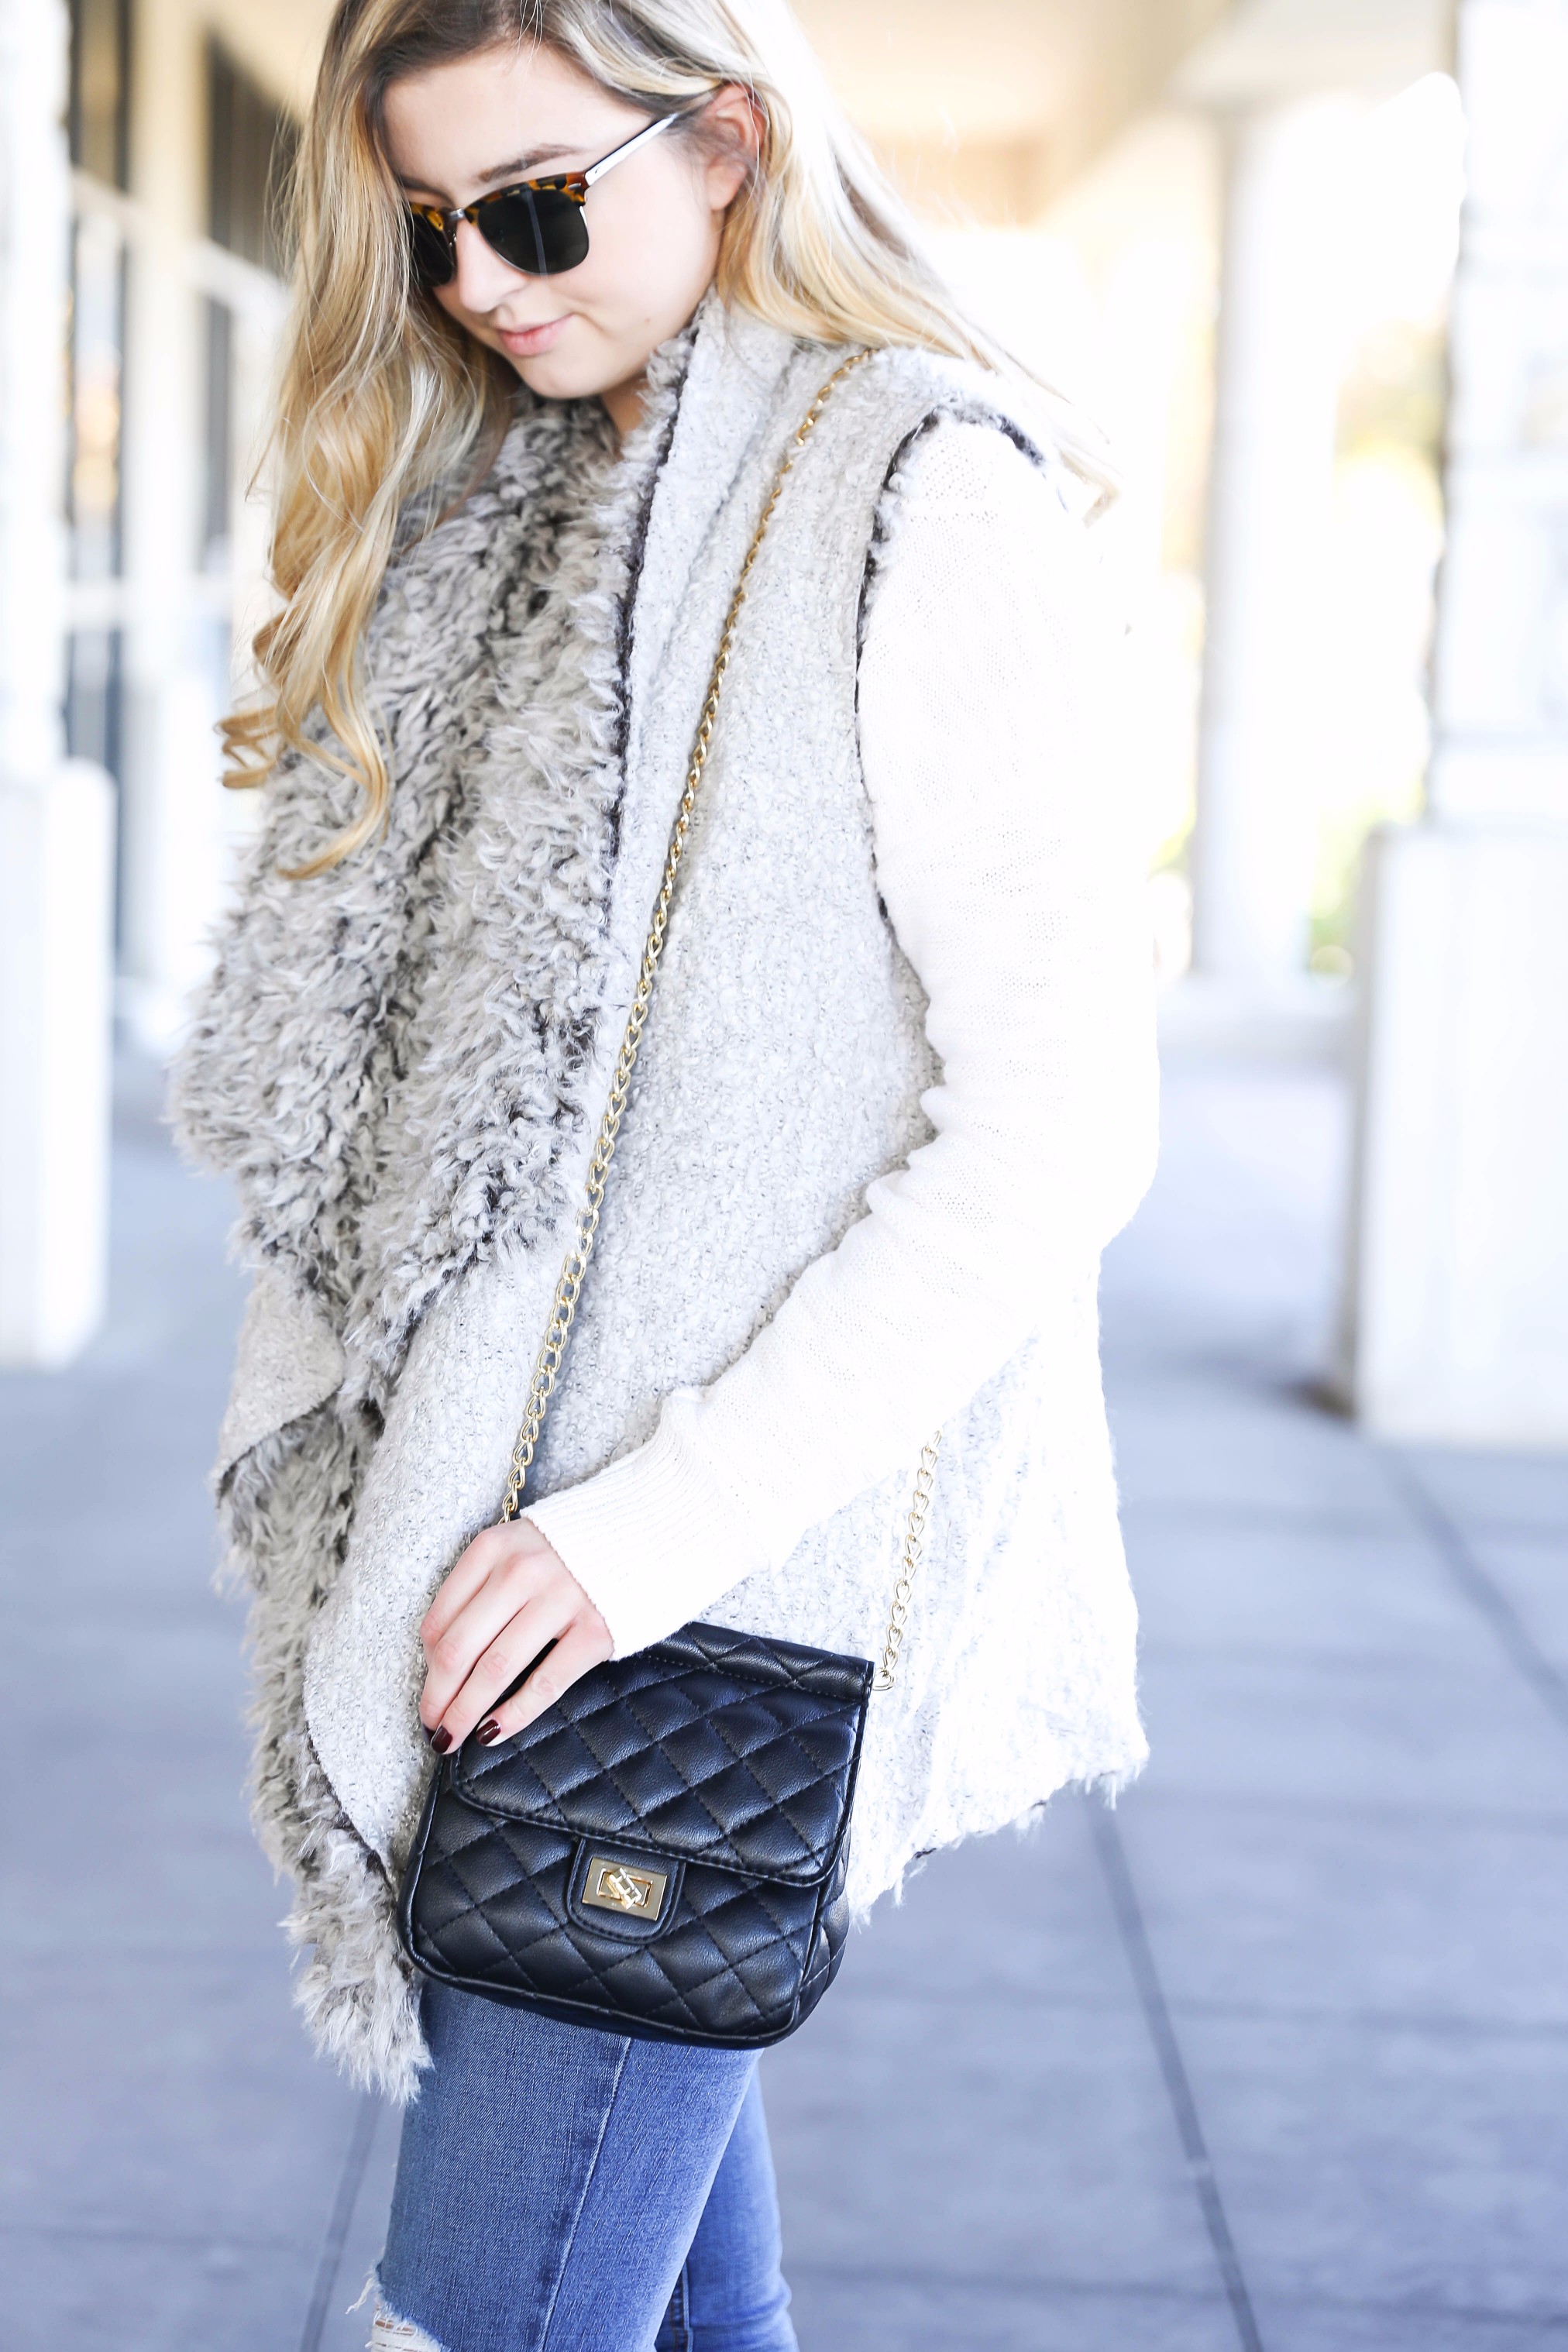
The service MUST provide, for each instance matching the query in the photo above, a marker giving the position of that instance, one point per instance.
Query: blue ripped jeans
(565, 2191)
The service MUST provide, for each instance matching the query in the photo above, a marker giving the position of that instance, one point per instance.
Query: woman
(895, 1096)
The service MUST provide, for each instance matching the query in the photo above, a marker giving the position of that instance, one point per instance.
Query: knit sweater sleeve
(988, 691)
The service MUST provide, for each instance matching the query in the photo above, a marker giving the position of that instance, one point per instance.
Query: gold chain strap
(552, 1347)
(914, 1545)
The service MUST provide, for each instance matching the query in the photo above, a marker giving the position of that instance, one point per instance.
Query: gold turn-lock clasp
(635, 1893)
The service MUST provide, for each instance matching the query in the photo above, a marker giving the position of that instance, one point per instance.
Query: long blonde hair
(385, 401)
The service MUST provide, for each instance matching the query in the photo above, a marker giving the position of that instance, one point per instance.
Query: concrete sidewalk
(1276, 2056)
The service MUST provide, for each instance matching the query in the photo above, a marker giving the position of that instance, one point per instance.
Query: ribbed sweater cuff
(653, 1540)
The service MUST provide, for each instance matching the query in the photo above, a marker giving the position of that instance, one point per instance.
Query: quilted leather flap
(717, 1747)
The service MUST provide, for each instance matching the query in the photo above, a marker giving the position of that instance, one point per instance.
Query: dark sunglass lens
(432, 264)
(540, 232)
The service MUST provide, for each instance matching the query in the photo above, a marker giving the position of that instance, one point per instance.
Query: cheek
(647, 256)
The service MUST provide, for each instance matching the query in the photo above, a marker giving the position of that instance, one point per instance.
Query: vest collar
(728, 400)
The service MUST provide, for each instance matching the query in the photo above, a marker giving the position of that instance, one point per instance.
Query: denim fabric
(565, 2191)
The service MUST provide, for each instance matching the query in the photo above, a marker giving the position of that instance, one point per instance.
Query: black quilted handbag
(662, 1853)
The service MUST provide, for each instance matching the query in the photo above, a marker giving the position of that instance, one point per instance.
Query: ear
(732, 128)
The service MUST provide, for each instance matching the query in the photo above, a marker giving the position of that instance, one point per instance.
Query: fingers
(490, 1549)
(523, 1632)
(509, 1588)
(587, 1643)
(507, 1599)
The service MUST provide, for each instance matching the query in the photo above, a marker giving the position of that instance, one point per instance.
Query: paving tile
(168, 1871)
(1349, 1592)
(1381, 1731)
(1236, 1242)
(179, 1673)
(1486, 1491)
(131, 1588)
(149, 1775)
(1389, 2166)
(1350, 1912)
(871, 2311)
(65, 2289)
(59, 1557)
(1230, 1446)
(1019, 1915)
(1532, 1573)
(986, 2138)
(1318, 2327)
(153, 1491)
(1281, 1145)
(166, 2095)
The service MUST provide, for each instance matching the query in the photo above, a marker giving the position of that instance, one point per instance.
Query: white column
(1457, 1322)
(34, 248)
(173, 677)
(56, 914)
(56, 820)
(1279, 365)
(181, 825)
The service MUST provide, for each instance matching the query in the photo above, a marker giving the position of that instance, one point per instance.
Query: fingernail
(490, 1729)
(440, 1738)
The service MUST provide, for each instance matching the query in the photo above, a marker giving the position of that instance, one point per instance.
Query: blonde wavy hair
(385, 402)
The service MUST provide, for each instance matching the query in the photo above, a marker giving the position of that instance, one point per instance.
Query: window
(94, 702)
(101, 89)
(251, 145)
(250, 149)
(100, 126)
(95, 355)
(94, 697)
(218, 454)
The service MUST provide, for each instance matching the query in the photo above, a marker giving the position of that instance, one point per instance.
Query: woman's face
(455, 131)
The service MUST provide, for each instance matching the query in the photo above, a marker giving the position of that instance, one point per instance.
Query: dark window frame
(110, 160)
(251, 144)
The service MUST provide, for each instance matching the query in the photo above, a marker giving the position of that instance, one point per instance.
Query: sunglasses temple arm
(639, 139)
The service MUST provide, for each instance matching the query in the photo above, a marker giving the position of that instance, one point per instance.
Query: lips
(523, 342)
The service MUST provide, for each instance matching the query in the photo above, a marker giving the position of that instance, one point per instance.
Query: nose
(483, 279)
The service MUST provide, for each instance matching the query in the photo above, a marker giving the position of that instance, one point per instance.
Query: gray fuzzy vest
(402, 1063)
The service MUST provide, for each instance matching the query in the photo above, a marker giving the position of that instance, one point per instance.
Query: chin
(572, 370)
(552, 382)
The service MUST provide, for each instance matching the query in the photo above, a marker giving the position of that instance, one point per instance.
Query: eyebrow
(520, 167)
(523, 166)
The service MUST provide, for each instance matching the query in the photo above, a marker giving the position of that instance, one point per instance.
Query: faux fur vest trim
(392, 1057)
(393, 1060)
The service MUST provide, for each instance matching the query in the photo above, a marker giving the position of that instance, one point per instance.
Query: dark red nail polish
(490, 1729)
(440, 1738)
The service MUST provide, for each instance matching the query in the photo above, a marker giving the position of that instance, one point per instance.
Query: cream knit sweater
(1004, 878)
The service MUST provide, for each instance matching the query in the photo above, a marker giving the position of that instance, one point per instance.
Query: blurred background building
(1232, 231)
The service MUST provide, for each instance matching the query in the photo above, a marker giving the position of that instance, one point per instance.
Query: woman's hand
(507, 1596)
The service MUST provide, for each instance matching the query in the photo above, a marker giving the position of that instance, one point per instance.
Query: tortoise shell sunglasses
(539, 227)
